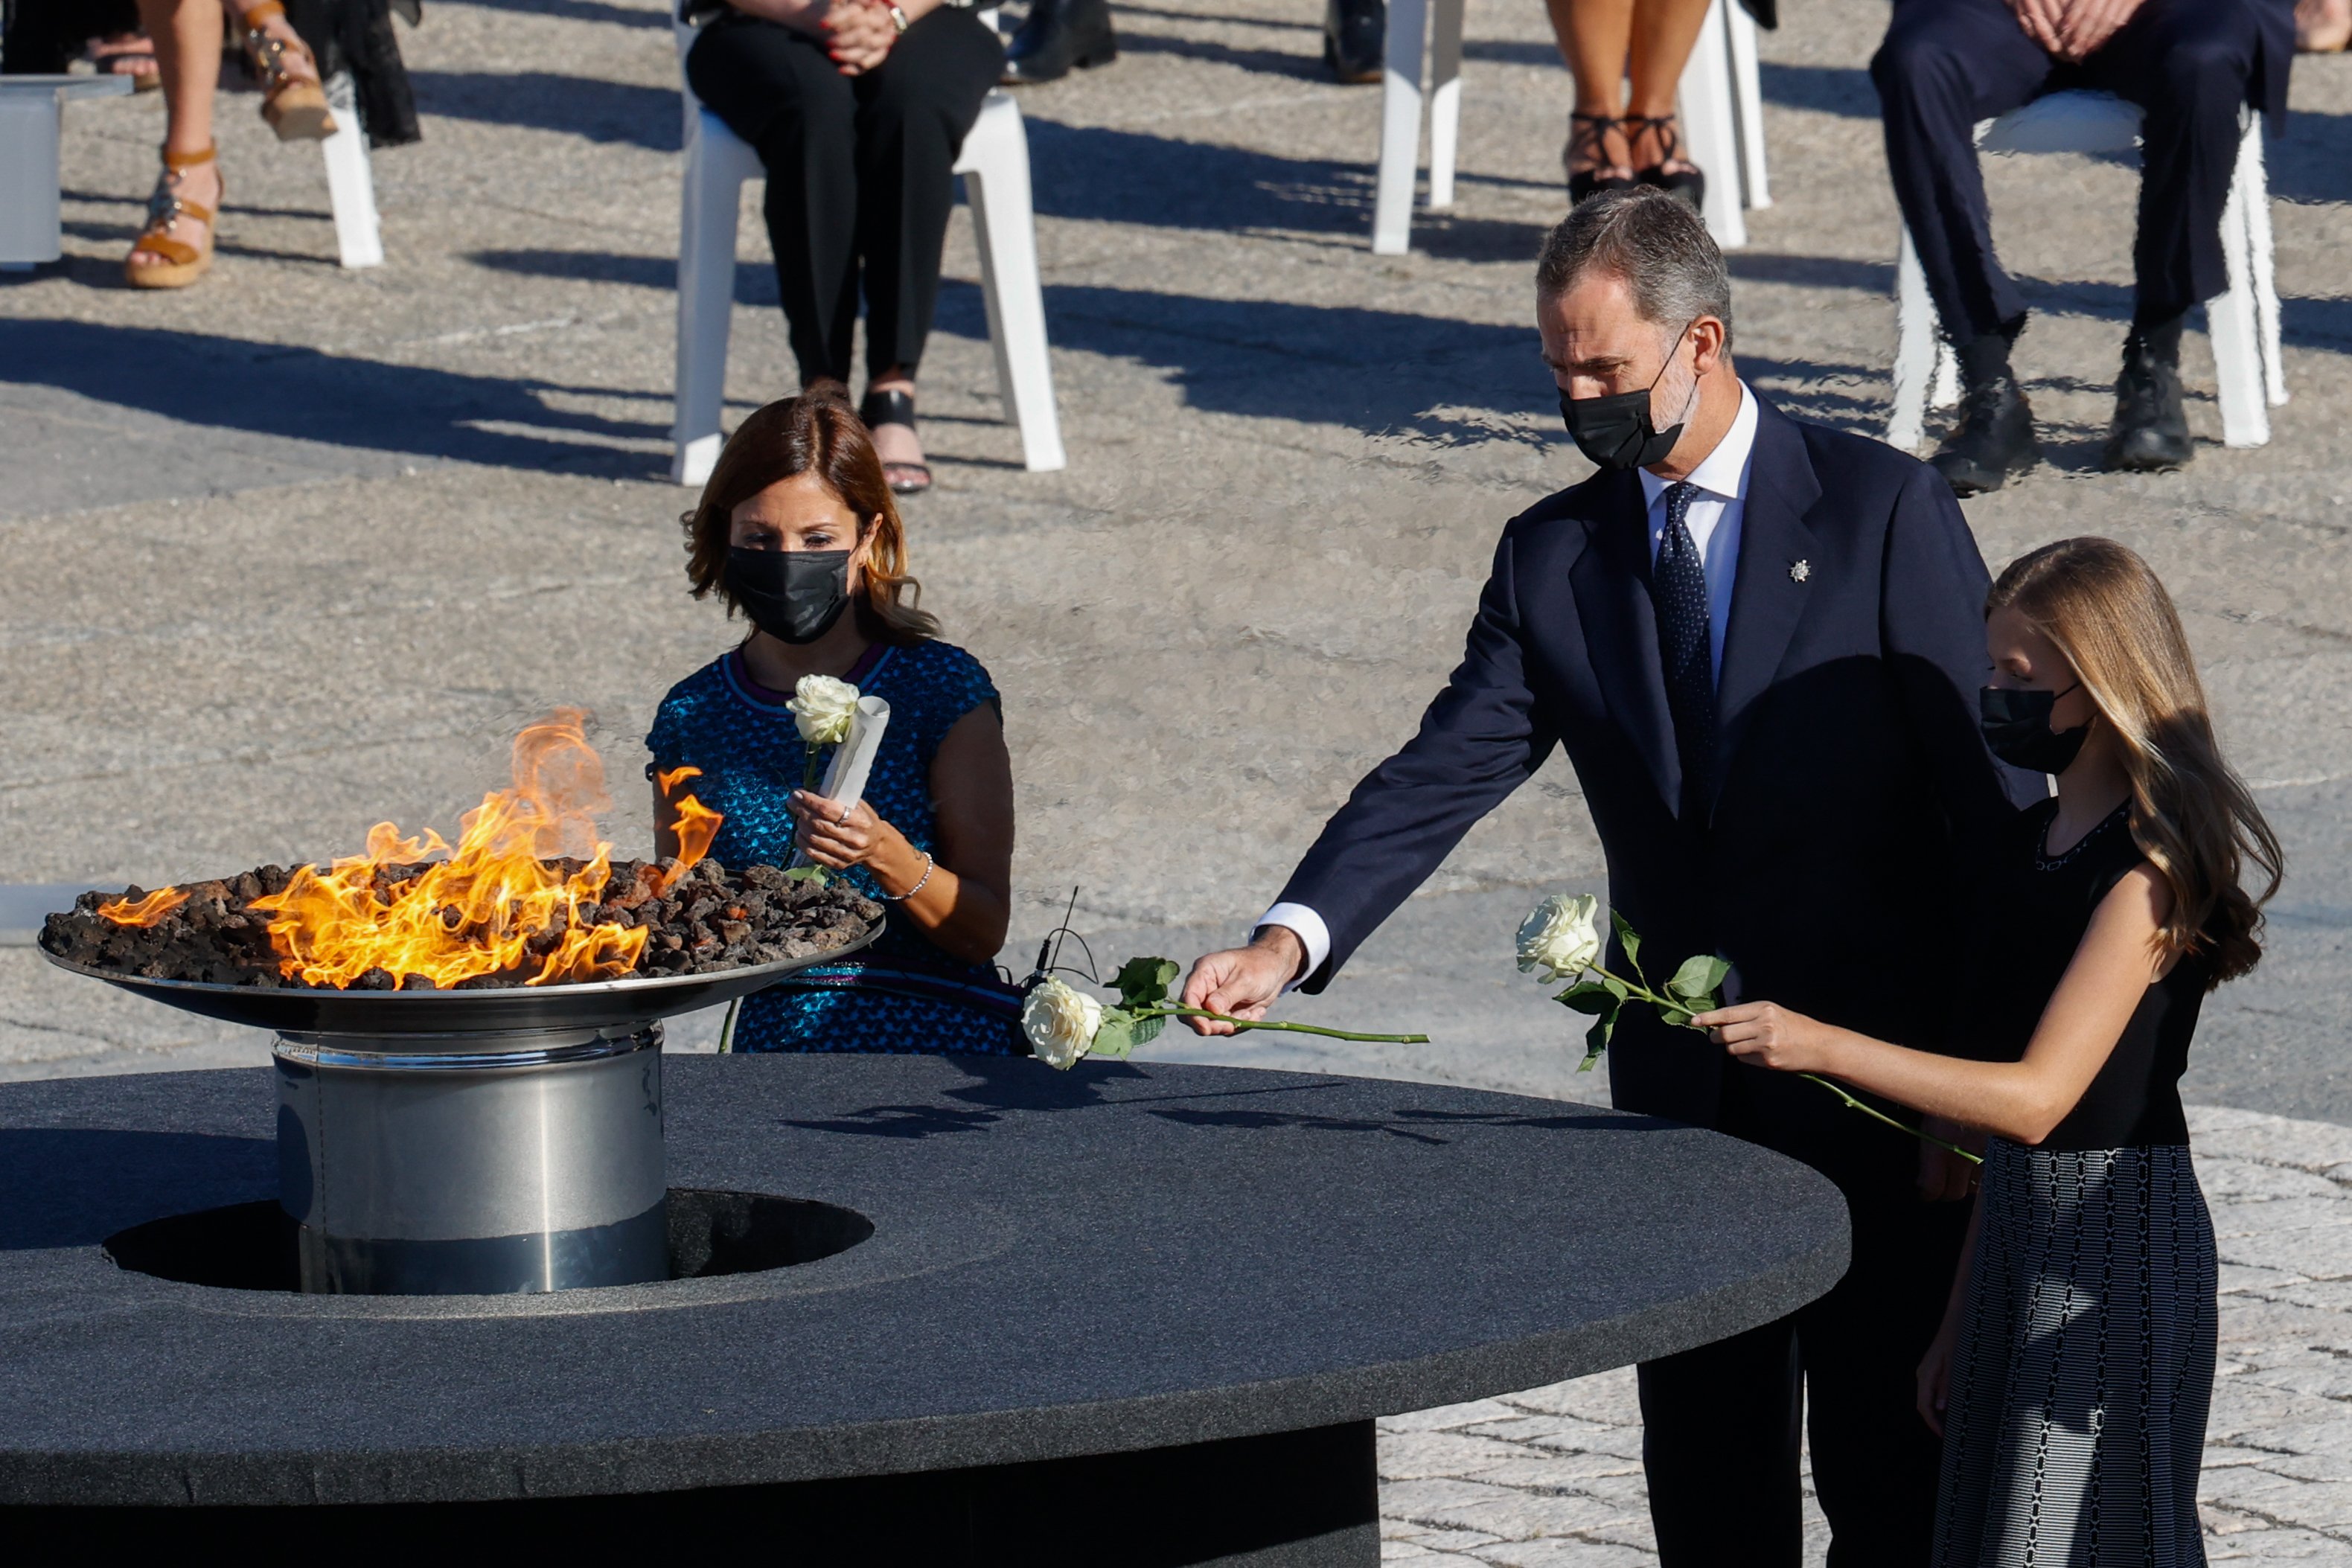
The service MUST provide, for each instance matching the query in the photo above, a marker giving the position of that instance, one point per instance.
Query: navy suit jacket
(1852, 770)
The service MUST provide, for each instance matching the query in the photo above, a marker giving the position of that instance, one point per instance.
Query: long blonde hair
(2192, 815)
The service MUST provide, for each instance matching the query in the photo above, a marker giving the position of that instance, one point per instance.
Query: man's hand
(1944, 1176)
(1242, 981)
(2087, 24)
(2041, 20)
(858, 36)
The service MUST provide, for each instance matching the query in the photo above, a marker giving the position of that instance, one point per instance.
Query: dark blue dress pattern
(902, 994)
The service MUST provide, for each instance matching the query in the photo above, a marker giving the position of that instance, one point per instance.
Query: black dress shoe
(1355, 38)
(2150, 433)
(1057, 34)
(1995, 438)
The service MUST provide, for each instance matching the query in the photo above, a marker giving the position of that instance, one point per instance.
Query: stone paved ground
(1553, 1476)
(294, 551)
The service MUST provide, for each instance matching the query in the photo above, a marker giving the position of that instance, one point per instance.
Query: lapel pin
(1800, 571)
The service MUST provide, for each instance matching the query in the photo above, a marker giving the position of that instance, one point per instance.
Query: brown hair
(819, 433)
(2192, 815)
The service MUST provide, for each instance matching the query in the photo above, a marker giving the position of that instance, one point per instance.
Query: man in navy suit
(1761, 641)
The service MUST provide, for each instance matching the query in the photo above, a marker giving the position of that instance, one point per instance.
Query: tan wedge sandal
(295, 107)
(183, 263)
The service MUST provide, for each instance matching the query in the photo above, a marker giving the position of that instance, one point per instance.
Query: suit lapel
(1768, 593)
(1611, 579)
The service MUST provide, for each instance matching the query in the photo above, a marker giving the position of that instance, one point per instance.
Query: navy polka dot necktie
(1686, 646)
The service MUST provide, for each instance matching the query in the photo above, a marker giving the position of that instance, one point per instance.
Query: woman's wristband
(930, 865)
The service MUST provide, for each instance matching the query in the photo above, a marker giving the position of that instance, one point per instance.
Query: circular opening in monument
(251, 1246)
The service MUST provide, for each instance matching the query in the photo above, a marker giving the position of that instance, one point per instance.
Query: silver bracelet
(930, 865)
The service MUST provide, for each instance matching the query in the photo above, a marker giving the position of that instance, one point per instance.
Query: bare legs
(1601, 40)
(187, 38)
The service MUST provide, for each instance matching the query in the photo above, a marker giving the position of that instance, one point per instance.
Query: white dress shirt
(1714, 521)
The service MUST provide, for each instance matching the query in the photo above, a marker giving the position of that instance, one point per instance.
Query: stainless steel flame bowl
(502, 1010)
(471, 1142)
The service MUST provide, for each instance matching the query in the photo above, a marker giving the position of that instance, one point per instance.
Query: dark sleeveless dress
(2080, 1385)
(903, 994)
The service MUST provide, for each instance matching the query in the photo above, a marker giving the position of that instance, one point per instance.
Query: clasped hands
(858, 34)
(2073, 29)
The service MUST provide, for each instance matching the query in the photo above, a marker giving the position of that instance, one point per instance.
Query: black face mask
(793, 595)
(2017, 727)
(1615, 431)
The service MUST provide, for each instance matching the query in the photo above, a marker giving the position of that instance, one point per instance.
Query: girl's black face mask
(792, 595)
(2017, 727)
(1615, 431)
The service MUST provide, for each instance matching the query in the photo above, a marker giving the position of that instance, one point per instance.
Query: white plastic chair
(2244, 322)
(29, 110)
(1722, 113)
(351, 185)
(995, 164)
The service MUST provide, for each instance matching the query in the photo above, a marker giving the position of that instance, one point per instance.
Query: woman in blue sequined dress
(797, 529)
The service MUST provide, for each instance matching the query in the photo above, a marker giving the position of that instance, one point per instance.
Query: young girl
(796, 528)
(2073, 1372)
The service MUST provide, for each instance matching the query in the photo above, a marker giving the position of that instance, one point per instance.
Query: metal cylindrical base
(475, 1164)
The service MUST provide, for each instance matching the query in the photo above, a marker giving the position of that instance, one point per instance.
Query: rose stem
(1291, 1027)
(1874, 1113)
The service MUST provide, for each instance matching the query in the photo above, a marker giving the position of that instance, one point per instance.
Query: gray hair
(1652, 240)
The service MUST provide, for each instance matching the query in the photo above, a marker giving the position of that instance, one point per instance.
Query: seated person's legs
(1945, 65)
(913, 114)
(2187, 64)
(777, 89)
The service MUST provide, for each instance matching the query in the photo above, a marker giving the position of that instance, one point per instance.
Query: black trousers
(1947, 63)
(1719, 1423)
(860, 172)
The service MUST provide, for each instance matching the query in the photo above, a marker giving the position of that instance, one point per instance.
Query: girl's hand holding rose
(833, 838)
(1771, 1036)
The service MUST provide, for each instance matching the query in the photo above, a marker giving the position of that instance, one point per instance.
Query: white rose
(1561, 935)
(1060, 1023)
(823, 708)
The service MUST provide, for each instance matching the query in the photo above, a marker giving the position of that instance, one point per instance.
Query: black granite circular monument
(933, 1309)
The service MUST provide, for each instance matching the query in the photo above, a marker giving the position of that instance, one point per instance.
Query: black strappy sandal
(1587, 138)
(881, 408)
(1689, 183)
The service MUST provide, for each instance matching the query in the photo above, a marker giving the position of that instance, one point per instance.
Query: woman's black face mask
(793, 595)
(2017, 727)
(1615, 431)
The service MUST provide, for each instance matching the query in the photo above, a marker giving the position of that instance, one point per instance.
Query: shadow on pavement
(299, 393)
(602, 111)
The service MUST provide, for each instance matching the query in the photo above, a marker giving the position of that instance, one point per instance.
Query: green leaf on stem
(1675, 1018)
(1144, 982)
(1146, 1029)
(811, 874)
(1615, 986)
(1116, 1037)
(1699, 975)
(1588, 997)
(1627, 939)
(1596, 1039)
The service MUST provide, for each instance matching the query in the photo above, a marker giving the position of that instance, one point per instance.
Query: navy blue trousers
(1947, 63)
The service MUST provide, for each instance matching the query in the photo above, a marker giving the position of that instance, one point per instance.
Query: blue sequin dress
(902, 994)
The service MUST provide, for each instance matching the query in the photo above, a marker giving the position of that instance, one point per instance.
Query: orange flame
(492, 906)
(151, 910)
(694, 826)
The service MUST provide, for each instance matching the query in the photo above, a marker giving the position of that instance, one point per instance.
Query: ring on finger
(843, 818)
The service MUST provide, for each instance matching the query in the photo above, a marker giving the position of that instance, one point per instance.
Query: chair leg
(707, 209)
(1408, 29)
(2254, 181)
(996, 184)
(1916, 350)
(351, 185)
(1706, 115)
(31, 227)
(1444, 97)
(1748, 102)
(2237, 342)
